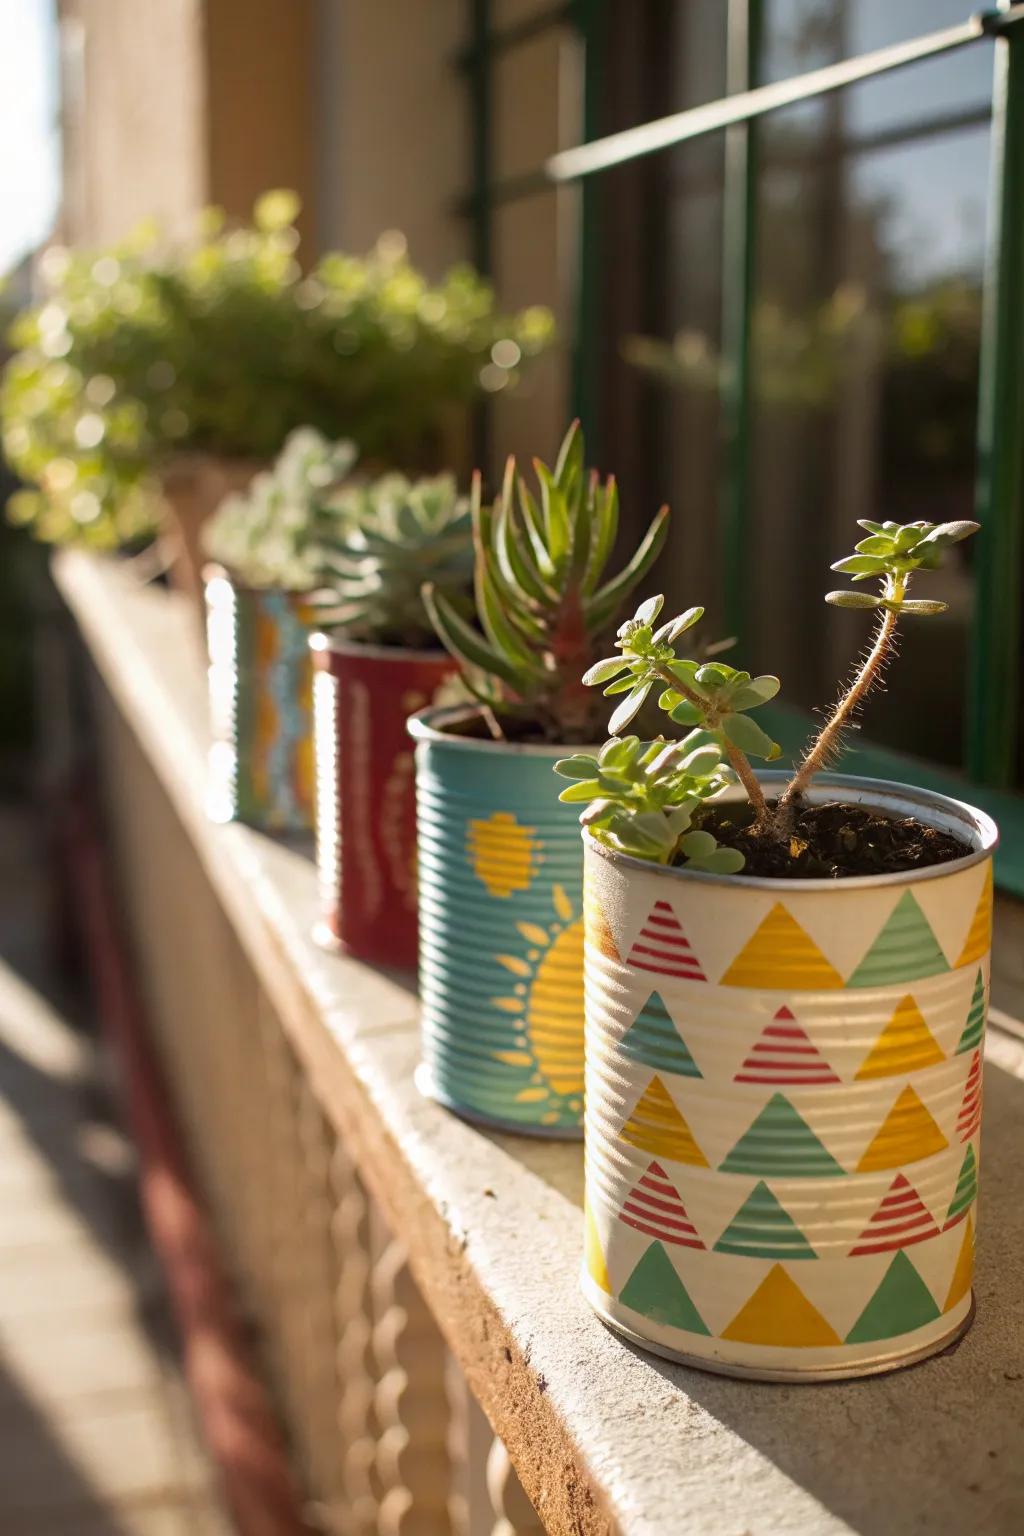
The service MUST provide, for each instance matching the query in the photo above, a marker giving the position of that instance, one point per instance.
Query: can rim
(323, 641)
(940, 811)
(428, 725)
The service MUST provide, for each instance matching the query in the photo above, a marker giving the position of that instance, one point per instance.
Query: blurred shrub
(225, 345)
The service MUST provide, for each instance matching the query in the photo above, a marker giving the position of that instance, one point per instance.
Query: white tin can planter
(783, 1099)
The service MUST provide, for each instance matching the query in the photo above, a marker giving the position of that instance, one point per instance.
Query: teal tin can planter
(501, 929)
(261, 709)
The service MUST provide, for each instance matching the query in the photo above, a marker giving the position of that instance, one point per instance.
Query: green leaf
(713, 676)
(603, 671)
(860, 566)
(697, 845)
(675, 627)
(607, 600)
(702, 761)
(864, 522)
(877, 544)
(620, 752)
(578, 766)
(755, 693)
(570, 454)
(648, 610)
(922, 605)
(945, 534)
(576, 794)
(629, 707)
(749, 737)
(724, 861)
(622, 685)
(606, 501)
(686, 713)
(851, 600)
(555, 513)
(464, 643)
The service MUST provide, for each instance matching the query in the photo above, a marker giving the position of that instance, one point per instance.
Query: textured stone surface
(604, 1437)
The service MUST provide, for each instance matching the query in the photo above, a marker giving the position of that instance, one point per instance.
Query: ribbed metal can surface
(365, 792)
(784, 1103)
(501, 930)
(260, 683)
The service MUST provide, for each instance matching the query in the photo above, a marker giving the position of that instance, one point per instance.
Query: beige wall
(170, 104)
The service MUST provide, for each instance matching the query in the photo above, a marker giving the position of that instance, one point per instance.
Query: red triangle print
(902, 1218)
(662, 947)
(654, 1207)
(970, 1110)
(785, 1054)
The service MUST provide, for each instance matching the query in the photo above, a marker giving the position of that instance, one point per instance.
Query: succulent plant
(542, 599)
(641, 799)
(380, 541)
(271, 534)
(223, 344)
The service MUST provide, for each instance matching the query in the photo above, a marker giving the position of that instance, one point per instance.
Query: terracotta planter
(193, 487)
(260, 680)
(501, 931)
(365, 792)
(783, 1105)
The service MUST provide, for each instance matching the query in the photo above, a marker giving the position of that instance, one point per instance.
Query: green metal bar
(591, 17)
(995, 705)
(739, 255)
(648, 138)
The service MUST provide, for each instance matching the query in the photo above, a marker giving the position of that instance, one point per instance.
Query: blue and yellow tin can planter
(501, 929)
(784, 1104)
(261, 686)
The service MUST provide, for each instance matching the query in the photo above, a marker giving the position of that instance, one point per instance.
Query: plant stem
(738, 761)
(824, 744)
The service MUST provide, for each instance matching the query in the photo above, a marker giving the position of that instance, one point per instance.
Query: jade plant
(543, 599)
(272, 535)
(380, 540)
(222, 343)
(642, 799)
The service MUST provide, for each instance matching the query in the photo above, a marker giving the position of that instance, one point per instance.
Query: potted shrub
(266, 545)
(159, 376)
(378, 662)
(786, 996)
(501, 932)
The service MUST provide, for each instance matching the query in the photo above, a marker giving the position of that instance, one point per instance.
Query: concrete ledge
(604, 1437)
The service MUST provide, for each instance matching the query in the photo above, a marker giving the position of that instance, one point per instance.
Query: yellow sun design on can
(548, 998)
(505, 854)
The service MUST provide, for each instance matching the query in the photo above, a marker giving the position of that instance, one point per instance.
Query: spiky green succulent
(542, 599)
(384, 539)
(271, 534)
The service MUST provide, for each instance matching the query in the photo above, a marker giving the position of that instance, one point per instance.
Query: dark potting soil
(833, 841)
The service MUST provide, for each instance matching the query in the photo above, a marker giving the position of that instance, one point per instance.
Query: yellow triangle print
(781, 956)
(963, 1275)
(979, 936)
(779, 1314)
(907, 1134)
(656, 1126)
(905, 1045)
(598, 933)
(597, 1269)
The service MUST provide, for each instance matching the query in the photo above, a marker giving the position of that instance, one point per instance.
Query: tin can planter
(501, 930)
(783, 1104)
(366, 793)
(260, 680)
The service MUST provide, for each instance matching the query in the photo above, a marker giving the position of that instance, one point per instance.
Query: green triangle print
(655, 1290)
(966, 1189)
(975, 1026)
(653, 1039)
(781, 1144)
(905, 950)
(761, 1229)
(901, 1303)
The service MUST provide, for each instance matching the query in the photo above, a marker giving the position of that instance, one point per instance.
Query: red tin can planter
(366, 792)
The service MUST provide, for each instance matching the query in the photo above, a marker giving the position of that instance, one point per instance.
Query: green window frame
(993, 705)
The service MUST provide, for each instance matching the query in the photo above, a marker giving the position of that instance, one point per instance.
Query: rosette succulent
(543, 599)
(271, 535)
(380, 541)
